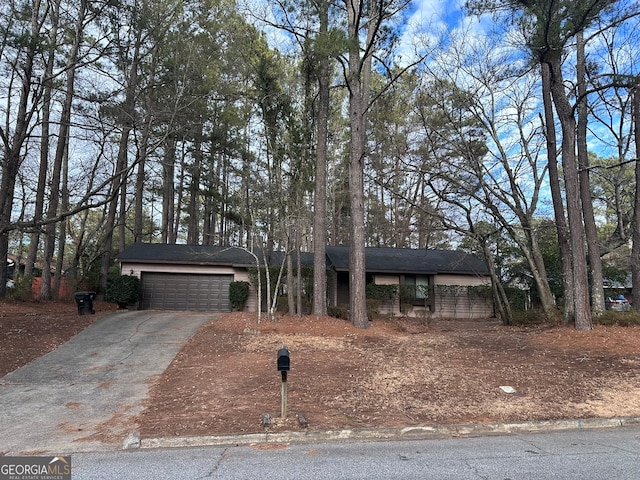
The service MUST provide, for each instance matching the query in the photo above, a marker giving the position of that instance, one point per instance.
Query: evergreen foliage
(238, 294)
(123, 290)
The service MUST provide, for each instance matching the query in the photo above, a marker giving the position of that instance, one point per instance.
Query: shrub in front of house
(623, 319)
(122, 290)
(338, 311)
(238, 294)
(382, 293)
(379, 295)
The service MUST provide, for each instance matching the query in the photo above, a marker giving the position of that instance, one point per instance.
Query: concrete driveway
(85, 395)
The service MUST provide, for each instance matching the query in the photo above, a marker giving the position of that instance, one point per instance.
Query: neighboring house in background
(197, 277)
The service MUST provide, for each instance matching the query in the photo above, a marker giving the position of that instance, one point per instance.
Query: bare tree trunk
(500, 298)
(358, 82)
(290, 289)
(122, 210)
(193, 207)
(173, 237)
(357, 285)
(572, 189)
(168, 173)
(138, 222)
(119, 183)
(299, 275)
(34, 239)
(13, 146)
(62, 230)
(556, 193)
(320, 196)
(61, 152)
(635, 249)
(536, 262)
(591, 231)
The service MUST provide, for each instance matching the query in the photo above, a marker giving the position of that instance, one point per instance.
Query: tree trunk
(320, 196)
(34, 239)
(60, 155)
(538, 270)
(500, 299)
(556, 193)
(572, 190)
(173, 237)
(193, 207)
(13, 147)
(168, 173)
(119, 183)
(138, 221)
(635, 249)
(591, 231)
(299, 282)
(290, 288)
(358, 81)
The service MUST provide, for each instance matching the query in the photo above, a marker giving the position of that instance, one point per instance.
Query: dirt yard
(400, 372)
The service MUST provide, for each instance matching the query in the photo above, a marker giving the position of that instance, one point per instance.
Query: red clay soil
(397, 372)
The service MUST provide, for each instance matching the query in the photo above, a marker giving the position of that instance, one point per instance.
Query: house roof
(378, 260)
(276, 258)
(410, 261)
(186, 254)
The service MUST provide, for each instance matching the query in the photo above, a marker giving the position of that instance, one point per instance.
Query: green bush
(338, 312)
(238, 294)
(373, 308)
(624, 319)
(382, 293)
(21, 290)
(123, 290)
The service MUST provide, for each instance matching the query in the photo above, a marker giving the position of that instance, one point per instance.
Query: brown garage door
(174, 291)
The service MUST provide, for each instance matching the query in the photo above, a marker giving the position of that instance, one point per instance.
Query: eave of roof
(410, 261)
(378, 260)
(180, 254)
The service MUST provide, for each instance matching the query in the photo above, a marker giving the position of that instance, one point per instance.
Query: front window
(416, 289)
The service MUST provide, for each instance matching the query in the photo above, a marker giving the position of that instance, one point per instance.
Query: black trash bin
(85, 302)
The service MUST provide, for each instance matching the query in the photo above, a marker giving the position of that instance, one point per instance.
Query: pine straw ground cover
(397, 372)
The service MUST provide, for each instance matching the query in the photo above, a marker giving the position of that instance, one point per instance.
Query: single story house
(440, 283)
(197, 277)
(186, 277)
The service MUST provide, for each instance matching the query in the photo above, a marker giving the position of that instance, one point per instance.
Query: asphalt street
(567, 455)
(83, 395)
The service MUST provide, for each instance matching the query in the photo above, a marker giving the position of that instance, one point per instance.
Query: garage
(185, 291)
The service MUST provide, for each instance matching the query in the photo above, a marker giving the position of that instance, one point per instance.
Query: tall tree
(562, 228)
(323, 74)
(367, 33)
(24, 32)
(479, 113)
(635, 249)
(129, 63)
(61, 152)
(591, 231)
(48, 81)
(358, 77)
(548, 27)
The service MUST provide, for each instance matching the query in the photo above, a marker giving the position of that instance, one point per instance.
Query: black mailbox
(283, 359)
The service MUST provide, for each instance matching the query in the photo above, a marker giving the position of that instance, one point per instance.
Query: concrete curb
(389, 433)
